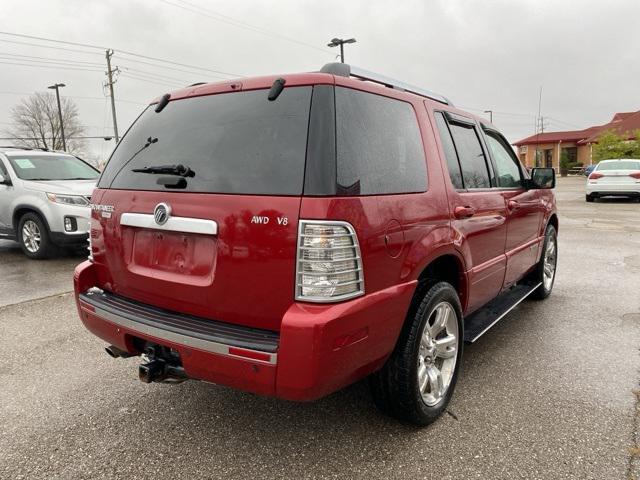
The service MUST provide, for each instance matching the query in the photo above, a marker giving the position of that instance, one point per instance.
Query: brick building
(545, 149)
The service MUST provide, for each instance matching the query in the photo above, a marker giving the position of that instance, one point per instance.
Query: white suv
(44, 199)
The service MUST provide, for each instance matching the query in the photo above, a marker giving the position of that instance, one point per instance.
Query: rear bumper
(622, 189)
(319, 349)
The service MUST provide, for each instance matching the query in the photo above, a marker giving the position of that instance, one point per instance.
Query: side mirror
(4, 180)
(542, 178)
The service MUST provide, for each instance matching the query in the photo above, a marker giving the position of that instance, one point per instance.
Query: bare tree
(36, 123)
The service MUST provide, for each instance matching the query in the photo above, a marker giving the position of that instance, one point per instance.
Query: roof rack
(345, 70)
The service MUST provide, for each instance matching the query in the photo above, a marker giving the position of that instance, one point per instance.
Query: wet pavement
(22, 279)
(548, 393)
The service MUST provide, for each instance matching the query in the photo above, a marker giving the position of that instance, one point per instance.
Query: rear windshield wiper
(180, 170)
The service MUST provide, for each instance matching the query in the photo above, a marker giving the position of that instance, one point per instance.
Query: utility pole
(57, 88)
(110, 82)
(490, 112)
(335, 42)
(541, 130)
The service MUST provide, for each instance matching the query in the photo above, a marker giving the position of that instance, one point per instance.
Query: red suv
(291, 235)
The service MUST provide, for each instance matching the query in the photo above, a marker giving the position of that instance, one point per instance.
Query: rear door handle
(513, 205)
(464, 212)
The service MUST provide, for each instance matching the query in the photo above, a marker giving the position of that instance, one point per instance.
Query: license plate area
(173, 256)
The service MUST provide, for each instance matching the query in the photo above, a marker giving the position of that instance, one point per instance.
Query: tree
(612, 145)
(36, 123)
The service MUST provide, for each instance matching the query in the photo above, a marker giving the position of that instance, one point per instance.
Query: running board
(480, 321)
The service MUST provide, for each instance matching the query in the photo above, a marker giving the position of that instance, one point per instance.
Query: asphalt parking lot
(548, 393)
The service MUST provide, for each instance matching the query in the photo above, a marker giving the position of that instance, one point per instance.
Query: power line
(197, 9)
(46, 46)
(566, 123)
(122, 52)
(74, 97)
(64, 60)
(46, 62)
(50, 66)
(135, 62)
(133, 77)
(140, 72)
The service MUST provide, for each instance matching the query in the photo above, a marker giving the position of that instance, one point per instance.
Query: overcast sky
(481, 54)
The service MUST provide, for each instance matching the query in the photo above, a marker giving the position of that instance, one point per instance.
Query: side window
(449, 151)
(507, 168)
(475, 172)
(379, 148)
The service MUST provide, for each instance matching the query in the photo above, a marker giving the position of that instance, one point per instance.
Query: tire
(395, 388)
(33, 236)
(544, 290)
(590, 198)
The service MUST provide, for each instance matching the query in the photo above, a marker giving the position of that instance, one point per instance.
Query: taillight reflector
(329, 266)
(251, 354)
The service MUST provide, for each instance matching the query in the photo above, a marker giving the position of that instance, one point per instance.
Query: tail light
(595, 175)
(329, 266)
(635, 175)
(90, 256)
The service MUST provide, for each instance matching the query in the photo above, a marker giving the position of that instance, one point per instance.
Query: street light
(490, 112)
(56, 87)
(340, 42)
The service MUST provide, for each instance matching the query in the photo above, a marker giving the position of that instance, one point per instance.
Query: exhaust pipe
(115, 352)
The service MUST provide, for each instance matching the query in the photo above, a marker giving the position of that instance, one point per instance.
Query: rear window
(238, 143)
(621, 165)
(378, 145)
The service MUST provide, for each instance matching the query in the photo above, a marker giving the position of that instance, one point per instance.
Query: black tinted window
(449, 151)
(234, 142)
(474, 166)
(506, 163)
(378, 144)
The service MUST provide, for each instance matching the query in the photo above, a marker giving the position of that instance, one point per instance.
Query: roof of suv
(331, 74)
(9, 150)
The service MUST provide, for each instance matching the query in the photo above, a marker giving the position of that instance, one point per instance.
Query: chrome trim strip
(208, 346)
(174, 224)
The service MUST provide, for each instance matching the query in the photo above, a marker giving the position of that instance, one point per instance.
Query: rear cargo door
(219, 242)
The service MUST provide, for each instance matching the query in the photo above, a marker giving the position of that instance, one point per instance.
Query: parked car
(586, 171)
(44, 199)
(291, 235)
(620, 178)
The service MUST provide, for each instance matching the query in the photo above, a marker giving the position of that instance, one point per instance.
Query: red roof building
(545, 149)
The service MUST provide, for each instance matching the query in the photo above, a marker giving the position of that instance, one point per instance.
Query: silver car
(44, 199)
(619, 178)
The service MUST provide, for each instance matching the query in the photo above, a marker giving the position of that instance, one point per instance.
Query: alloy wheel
(437, 353)
(549, 265)
(31, 236)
